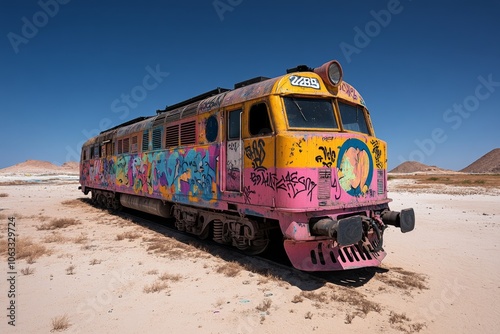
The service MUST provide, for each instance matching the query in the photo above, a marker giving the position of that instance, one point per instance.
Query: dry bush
(404, 279)
(349, 317)
(81, 239)
(167, 246)
(28, 271)
(156, 286)
(308, 315)
(297, 299)
(152, 272)
(70, 270)
(60, 323)
(358, 300)
(170, 277)
(130, 235)
(264, 306)
(229, 269)
(58, 223)
(321, 297)
(94, 262)
(27, 249)
(54, 237)
(4, 195)
(73, 203)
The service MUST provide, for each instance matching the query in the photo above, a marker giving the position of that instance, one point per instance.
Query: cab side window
(259, 122)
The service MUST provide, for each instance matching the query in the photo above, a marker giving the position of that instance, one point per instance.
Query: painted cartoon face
(355, 167)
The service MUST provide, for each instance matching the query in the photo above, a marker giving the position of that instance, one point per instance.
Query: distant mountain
(488, 163)
(415, 166)
(39, 166)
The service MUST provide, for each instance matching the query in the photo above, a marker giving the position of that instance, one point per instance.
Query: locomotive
(294, 155)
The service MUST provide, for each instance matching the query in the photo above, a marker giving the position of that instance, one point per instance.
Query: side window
(233, 126)
(259, 123)
(211, 128)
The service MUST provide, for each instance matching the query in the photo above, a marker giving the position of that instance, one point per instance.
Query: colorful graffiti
(183, 175)
(355, 167)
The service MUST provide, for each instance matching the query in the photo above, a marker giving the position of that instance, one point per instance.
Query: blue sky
(429, 71)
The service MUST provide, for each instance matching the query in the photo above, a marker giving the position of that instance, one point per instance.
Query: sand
(110, 273)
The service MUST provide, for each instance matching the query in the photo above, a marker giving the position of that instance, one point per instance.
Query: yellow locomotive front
(323, 173)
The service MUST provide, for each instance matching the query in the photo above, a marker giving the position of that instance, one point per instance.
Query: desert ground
(81, 269)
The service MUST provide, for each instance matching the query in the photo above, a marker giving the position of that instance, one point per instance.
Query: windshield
(353, 118)
(310, 113)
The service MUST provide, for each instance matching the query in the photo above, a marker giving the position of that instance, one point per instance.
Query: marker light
(330, 72)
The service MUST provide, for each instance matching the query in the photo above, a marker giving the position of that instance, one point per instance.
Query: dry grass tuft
(229, 269)
(308, 315)
(58, 223)
(321, 297)
(26, 248)
(70, 270)
(403, 279)
(358, 300)
(402, 323)
(264, 306)
(130, 235)
(28, 271)
(297, 299)
(93, 262)
(156, 286)
(54, 237)
(4, 195)
(81, 239)
(74, 203)
(60, 323)
(169, 247)
(152, 272)
(170, 277)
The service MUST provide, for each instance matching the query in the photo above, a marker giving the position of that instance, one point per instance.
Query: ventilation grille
(133, 147)
(172, 136)
(380, 182)
(126, 145)
(188, 133)
(156, 139)
(324, 183)
(145, 141)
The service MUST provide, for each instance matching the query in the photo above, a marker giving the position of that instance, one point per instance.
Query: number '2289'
(296, 80)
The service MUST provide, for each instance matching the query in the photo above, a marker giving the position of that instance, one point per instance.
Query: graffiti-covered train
(296, 154)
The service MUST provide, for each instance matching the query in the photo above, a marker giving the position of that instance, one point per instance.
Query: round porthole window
(211, 128)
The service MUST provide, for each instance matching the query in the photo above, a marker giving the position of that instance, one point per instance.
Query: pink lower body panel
(326, 255)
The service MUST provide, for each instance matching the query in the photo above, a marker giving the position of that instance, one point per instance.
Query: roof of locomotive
(220, 98)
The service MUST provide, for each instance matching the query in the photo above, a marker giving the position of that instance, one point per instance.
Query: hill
(41, 167)
(415, 166)
(488, 163)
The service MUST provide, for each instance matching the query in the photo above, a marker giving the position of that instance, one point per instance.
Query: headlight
(330, 72)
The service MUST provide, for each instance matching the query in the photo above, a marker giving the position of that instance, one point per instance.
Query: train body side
(313, 185)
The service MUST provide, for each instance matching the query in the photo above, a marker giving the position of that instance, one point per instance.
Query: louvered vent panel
(172, 136)
(156, 139)
(145, 141)
(126, 145)
(188, 133)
